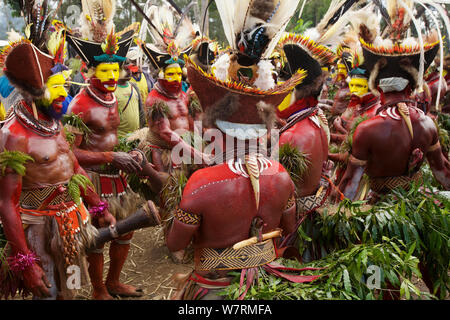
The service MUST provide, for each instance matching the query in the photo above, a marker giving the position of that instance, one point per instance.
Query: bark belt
(250, 256)
(389, 183)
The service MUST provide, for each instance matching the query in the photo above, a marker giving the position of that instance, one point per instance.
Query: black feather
(339, 13)
(383, 11)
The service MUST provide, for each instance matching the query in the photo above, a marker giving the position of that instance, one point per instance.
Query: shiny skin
(171, 127)
(227, 207)
(341, 98)
(308, 138)
(54, 164)
(103, 123)
(386, 145)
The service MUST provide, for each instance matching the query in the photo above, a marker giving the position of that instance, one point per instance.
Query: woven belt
(33, 198)
(250, 256)
(389, 183)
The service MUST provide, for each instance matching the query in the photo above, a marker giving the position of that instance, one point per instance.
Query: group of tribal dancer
(70, 172)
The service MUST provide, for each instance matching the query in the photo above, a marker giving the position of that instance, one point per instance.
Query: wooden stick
(35, 114)
(253, 240)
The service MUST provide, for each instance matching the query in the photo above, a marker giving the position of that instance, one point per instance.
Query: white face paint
(393, 84)
(242, 131)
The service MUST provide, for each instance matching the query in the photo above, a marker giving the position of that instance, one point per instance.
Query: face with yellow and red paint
(358, 86)
(341, 71)
(106, 76)
(54, 96)
(173, 73)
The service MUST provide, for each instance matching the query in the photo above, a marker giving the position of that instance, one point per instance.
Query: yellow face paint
(341, 69)
(108, 73)
(55, 85)
(172, 74)
(358, 86)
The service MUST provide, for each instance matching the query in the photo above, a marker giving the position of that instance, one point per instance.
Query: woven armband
(187, 218)
(434, 147)
(290, 204)
(357, 162)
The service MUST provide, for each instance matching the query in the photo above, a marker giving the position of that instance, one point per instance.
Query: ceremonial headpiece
(43, 49)
(315, 48)
(391, 53)
(98, 42)
(242, 92)
(171, 32)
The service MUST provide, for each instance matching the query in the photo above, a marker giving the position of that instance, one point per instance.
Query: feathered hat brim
(88, 50)
(396, 62)
(244, 108)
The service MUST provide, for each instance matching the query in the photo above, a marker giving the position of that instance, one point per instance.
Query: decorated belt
(250, 256)
(389, 183)
(312, 202)
(33, 198)
(108, 185)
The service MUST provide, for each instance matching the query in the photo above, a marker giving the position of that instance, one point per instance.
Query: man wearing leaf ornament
(43, 216)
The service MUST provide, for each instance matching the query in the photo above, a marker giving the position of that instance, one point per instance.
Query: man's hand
(125, 162)
(36, 281)
(106, 220)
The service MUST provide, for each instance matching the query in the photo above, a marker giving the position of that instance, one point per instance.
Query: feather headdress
(253, 27)
(43, 50)
(170, 29)
(96, 19)
(394, 52)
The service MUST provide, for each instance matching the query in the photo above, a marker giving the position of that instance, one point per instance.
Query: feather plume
(255, 26)
(169, 27)
(96, 19)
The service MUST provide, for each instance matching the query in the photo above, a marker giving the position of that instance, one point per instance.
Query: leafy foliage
(346, 276)
(294, 161)
(76, 182)
(172, 191)
(443, 126)
(348, 142)
(70, 136)
(417, 218)
(126, 146)
(76, 122)
(14, 160)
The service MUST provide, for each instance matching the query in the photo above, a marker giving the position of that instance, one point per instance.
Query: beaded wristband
(21, 261)
(99, 210)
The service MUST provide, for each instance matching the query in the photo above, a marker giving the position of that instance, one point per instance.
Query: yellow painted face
(55, 85)
(172, 74)
(358, 86)
(108, 73)
(341, 69)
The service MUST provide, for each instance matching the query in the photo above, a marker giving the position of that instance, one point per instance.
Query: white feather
(220, 67)
(226, 10)
(265, 80)
(278, 23)
(410, 42)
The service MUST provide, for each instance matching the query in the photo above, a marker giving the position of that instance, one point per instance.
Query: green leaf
(347, 284)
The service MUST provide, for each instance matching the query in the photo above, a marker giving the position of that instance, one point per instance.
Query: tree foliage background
(126, 14)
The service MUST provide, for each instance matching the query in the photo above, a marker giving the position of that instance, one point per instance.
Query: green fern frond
(75, 121)
(14, 160)
(77, 182)
(70, 137)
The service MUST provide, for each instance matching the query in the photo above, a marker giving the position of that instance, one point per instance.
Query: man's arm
(33, 276)
(357, 162)
(186, 222)
(439, 165)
